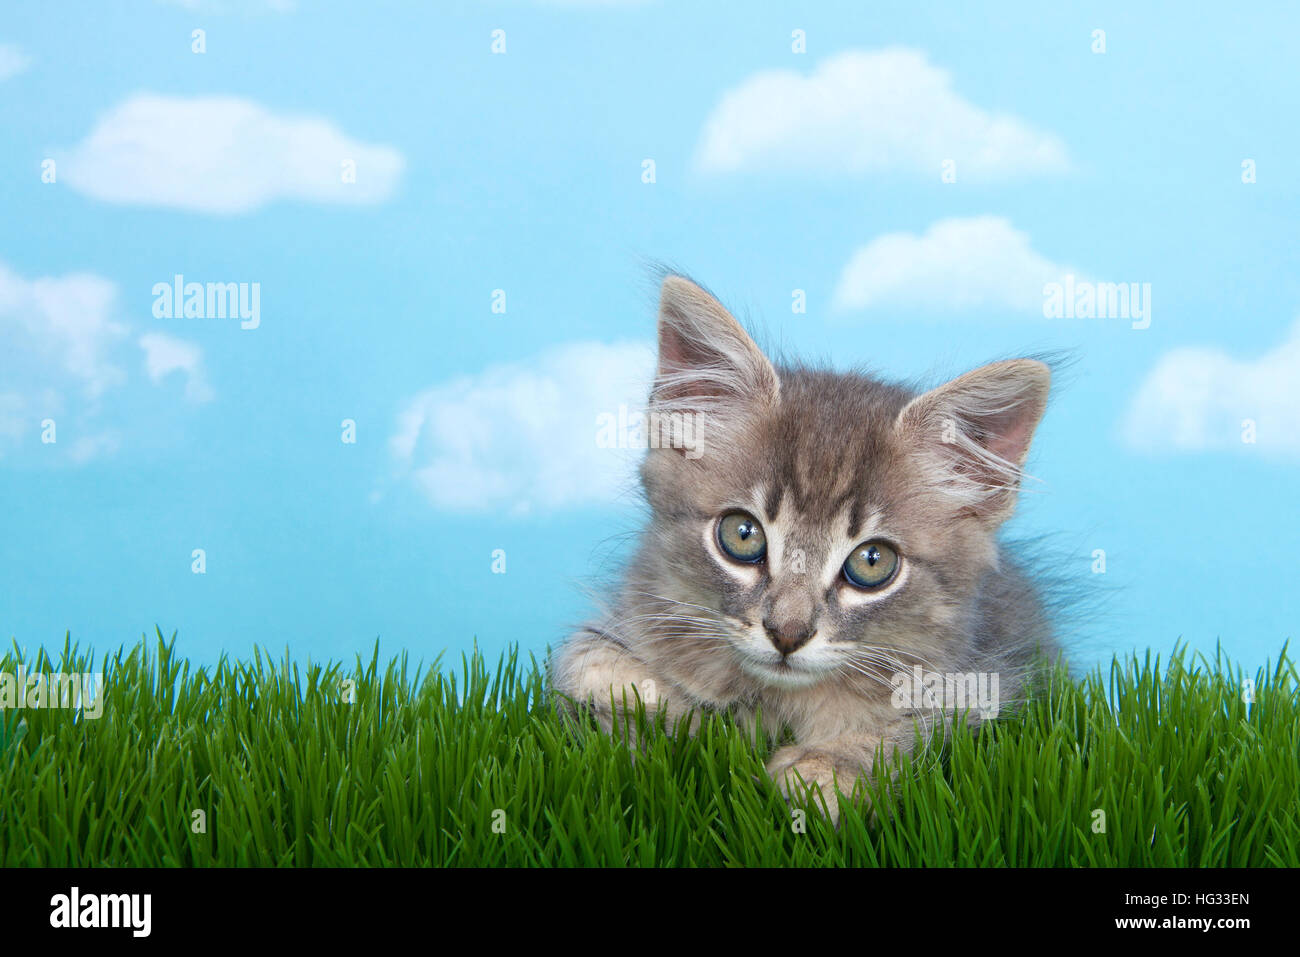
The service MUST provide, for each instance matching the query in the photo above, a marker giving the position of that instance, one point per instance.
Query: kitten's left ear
(973, 434)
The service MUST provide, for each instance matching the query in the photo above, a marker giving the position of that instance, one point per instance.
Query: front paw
(815, 775)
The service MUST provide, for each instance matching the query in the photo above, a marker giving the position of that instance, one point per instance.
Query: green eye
(871, 565)
(742, 537)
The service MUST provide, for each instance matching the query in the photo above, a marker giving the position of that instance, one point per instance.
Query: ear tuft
(973, 434)
(707, 362)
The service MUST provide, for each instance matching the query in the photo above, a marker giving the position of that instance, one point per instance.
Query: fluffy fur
(824, 461)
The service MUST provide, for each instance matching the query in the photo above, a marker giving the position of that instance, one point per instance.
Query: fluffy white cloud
(221, 154)
(62, 327)
(59, 341)
(64, 353)
(1198, 398)
(166, 354)
(868, 111)
(974, 263)
(12, 61)
(523, 435)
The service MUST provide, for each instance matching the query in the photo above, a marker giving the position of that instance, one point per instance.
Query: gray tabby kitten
(829, 538)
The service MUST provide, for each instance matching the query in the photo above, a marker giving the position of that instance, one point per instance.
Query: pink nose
(788, 636)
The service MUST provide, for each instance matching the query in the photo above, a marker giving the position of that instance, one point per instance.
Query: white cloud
(58, 339)
(63, 327)
(166, 354)
(1197, 399)
(221, 154)
(65, 356)
(523, 435)
(12, 61)
(865, 112)
(975, 263)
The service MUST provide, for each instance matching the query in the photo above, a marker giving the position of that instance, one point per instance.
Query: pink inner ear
(1010, 433)
(678, 356)
(674, 353)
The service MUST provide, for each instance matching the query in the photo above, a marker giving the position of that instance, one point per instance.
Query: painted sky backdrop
(448, 228)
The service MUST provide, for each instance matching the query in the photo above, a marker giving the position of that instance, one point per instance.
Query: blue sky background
(523, 172)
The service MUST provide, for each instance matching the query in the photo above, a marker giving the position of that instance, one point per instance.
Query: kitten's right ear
(707, 361)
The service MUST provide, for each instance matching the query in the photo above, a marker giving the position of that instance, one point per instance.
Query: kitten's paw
(594, 675)
(615, 713)
(813, 775)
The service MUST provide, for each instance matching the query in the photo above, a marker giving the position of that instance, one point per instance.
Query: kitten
(824, 541)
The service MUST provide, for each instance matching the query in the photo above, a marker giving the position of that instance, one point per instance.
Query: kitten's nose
(790, 635)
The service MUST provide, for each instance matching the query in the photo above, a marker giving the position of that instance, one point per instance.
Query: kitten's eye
(871, 565)
(742, 537)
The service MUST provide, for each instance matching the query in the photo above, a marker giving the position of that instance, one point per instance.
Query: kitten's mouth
(761, 661)
(784, 672)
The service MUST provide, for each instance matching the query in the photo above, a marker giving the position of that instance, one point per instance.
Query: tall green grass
(470, 767)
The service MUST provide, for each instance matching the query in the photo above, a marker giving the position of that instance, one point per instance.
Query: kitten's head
(825, 520)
